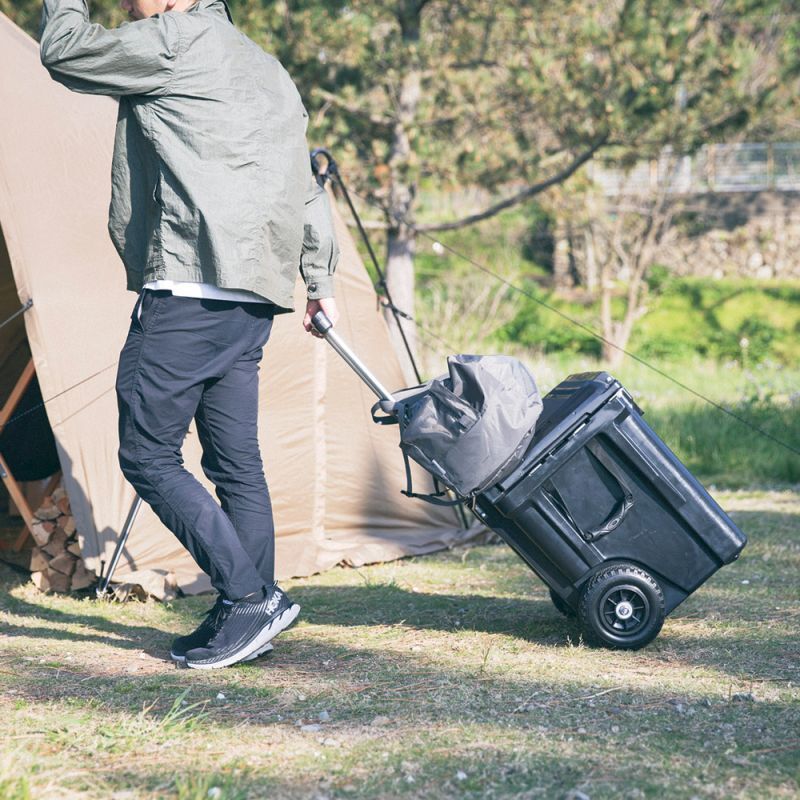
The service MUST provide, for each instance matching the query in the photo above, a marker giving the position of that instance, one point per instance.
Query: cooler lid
(565, 407)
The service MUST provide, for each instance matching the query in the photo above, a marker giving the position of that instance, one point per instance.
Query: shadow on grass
(535, 621)
(423, 700)
(732, 628)
(532, 620)
(761, 651)
(100, 629)
(527, 740)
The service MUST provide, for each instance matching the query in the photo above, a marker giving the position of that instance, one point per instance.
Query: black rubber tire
(562, 606)
(607, 623)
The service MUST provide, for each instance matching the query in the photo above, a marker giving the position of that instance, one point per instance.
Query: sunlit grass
(445, 676)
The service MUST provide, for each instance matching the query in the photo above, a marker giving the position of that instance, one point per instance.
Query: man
(213, 209)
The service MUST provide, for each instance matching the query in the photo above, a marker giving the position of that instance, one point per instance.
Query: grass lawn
(445, 676)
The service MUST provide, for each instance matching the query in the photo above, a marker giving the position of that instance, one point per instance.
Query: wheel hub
(624, 610)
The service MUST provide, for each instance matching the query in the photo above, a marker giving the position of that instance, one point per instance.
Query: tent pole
(6, 411)
(102, 590)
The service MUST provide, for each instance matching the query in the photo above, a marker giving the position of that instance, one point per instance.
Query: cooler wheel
(622, 607)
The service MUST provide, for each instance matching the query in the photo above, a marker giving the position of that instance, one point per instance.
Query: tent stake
(102, 590)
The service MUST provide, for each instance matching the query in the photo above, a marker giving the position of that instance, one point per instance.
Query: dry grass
(445, 676)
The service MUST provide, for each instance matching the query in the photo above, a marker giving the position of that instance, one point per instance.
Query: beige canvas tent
(334, 476)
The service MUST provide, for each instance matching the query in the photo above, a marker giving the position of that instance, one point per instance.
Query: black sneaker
(204, 633)
(245, 628)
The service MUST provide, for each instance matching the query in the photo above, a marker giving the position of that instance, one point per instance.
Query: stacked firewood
(56, 564)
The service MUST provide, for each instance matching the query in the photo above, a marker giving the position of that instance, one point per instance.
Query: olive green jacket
(211, 178)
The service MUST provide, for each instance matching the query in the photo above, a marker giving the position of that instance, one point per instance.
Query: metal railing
(743, 167)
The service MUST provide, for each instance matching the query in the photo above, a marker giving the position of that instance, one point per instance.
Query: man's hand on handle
(328, 305)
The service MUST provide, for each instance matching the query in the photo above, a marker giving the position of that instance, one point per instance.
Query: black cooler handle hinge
(622, 508)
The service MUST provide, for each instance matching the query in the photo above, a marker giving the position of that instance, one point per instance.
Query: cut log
(82, 578)
(74, 547)
(63, 505)
(57, 543)
(68, 524)
(48, 511)
(39, 560)
(41, 581)
(57, 580)
(63, 563)
(59, 493)
(57, 529)
(42, 532)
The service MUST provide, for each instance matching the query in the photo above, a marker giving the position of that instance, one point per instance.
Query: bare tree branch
(369, 224)
(477, 62)
(529, 191)
(351, 108)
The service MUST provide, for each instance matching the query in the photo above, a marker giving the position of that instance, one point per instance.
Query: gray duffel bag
(470, 427)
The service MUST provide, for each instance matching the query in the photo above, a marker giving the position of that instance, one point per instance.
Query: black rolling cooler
(607, 516)
(602, 511)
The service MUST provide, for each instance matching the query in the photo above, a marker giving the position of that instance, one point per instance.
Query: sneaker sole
(256, 645)
(265, 649)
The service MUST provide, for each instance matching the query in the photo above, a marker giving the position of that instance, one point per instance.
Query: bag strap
(435, 498)
(386, 419)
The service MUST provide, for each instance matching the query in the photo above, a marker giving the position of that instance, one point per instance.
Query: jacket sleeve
(138, 58)
(320, 252)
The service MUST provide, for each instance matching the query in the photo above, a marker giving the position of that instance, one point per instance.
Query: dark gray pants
(188, 358)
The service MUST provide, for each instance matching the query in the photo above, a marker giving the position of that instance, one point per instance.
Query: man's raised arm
(137, 58)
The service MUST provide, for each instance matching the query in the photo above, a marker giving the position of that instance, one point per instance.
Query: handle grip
(321, 322)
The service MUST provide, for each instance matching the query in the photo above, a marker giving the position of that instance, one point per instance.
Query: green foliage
(686, 317)
(751, 343)
(15, 789)
(181, 717)
(733, 320)
(659, 279)
(727, 453)
(200, 786)
(503, 85)
(543, 331)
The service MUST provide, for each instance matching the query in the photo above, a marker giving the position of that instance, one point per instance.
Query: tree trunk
(400, 246)
(590, 277)
(611, 355)
(400, 239)
(562, 274)
(619, 333)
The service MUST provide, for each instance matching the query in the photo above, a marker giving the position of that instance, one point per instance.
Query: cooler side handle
(620, 511)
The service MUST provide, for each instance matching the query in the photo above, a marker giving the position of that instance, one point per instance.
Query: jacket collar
(215, 6)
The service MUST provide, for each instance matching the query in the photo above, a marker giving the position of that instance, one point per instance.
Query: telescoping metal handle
(325, 327)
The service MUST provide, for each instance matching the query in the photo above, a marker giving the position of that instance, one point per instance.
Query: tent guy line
(22, 414)
(332, 171)
(21, 310)
(483, 268)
